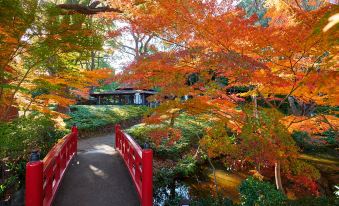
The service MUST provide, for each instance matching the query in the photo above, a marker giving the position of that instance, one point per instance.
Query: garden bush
(191, 130)
(94, 117)
(331, 137)
(327, 110)
(303, 140)
(254, 192)
(20, 137)
(17, 140)
(168, 176)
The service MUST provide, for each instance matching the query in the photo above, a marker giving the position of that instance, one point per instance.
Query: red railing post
(126, 147)
(34, 182)
(57, 167)
(75, 138)
(117, 136)
(43, 177)
(139, 163)
(147, 177)
(137, 170)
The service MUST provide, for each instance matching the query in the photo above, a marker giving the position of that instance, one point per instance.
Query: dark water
(195, 187)
(182, 191)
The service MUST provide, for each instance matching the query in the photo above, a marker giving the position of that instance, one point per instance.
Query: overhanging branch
(88, 10)
(92, 8)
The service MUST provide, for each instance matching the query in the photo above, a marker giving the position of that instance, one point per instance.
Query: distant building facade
(123, 96)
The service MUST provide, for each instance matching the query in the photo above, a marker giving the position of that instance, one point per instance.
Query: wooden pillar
(147, 178)
(34, 183)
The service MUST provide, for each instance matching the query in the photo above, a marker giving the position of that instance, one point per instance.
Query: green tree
(41, 47)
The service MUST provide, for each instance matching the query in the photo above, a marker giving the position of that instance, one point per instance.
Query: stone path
(97, 176)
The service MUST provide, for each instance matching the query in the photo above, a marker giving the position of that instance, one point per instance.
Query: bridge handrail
(43, 177)
(139, 163)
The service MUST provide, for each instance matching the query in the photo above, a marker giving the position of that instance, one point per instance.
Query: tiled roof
(123, 92)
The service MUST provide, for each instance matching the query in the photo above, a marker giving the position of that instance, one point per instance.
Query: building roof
(121, 91)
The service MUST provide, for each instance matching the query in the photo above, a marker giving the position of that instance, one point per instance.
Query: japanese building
(123, 96)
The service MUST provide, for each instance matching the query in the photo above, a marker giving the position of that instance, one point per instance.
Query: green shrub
(314, 201)
(327, 110)
(166, 176)
(186, 166)
(140, 133)
(331, 137)
(17, 140)
(303, 140)
(20, 137)
(92, 117)
(254, 192)
(11, 182)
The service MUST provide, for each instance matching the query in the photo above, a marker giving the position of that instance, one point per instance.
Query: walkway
(97, 176)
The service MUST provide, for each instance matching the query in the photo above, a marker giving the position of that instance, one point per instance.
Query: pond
(200, 186)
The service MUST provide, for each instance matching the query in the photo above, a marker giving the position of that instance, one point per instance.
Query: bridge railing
(139, 163)
(43, 177)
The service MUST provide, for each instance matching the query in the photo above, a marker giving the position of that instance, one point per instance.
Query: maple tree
(131, 41)
(223, 56)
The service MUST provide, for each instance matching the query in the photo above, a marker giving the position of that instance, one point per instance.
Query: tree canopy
(256, 70)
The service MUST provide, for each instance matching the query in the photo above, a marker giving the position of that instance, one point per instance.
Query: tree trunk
(63, 109)
(172, 120)
(28, 105)
(255, 104)
(92, 60)
(171, 125)
(214, 175)
(277, 175)
(212, 166)
(294, 108)
(12, 113)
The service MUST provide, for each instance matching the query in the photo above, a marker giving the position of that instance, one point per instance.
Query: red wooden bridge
(108, 170)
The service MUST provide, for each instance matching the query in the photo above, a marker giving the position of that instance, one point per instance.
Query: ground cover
(96, 117)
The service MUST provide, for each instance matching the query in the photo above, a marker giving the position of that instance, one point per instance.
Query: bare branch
(146, 43)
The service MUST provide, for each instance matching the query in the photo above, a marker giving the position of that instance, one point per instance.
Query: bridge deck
(97, 176)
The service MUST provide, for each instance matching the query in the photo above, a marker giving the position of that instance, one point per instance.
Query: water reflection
(201, 187)
(164, 195)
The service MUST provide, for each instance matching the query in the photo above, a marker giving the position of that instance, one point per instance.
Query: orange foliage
(287, 58)
(214, 40)
(312, 125)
